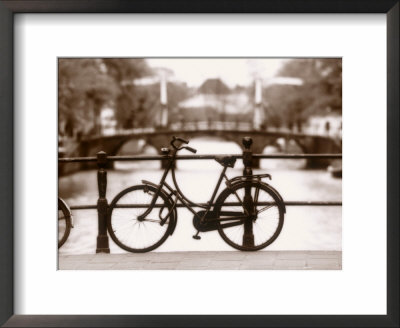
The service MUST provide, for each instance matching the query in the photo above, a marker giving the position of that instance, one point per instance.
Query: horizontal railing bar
(83, 207)
(288, 203)
(298, 156)
(311, 203)
(77, 159)
(201, 157)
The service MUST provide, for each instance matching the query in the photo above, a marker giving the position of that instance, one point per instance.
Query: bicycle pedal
(196, 237)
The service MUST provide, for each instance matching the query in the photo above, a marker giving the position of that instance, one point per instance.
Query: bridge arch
(130, 146)
(161, 138)
(297, 142)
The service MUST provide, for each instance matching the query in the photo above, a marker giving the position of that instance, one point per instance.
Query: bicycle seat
(226, 160)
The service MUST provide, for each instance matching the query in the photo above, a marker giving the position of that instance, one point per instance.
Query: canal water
(305, 228)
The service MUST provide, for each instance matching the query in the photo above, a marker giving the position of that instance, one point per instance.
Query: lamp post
(163, 101)
(258, 118)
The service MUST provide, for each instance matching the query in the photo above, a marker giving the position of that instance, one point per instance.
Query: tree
(125, 70)
(130, 102)
(286, 104)
(150, 106)
(322, 81)
(320, 92)
(83, 88)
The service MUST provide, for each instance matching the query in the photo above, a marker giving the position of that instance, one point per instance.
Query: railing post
(102, 205)
(248, 236)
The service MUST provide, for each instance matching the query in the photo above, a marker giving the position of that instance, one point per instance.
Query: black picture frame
(7, 11)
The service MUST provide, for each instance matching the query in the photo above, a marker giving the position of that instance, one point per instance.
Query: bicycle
(248, 214)
(65, 222)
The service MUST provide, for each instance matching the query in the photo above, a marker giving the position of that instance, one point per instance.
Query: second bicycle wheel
(249, 231)
(64, 223)
(131, 232)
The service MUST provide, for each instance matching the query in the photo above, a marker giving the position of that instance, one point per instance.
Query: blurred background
(115, 104)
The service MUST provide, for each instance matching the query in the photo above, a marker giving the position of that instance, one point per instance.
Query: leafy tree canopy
(82, 89)
(320, 92)
(86, 85)
(125, 70)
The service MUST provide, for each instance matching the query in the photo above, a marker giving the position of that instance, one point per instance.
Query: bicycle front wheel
(249, 229)
(64, 223)
(128, 229)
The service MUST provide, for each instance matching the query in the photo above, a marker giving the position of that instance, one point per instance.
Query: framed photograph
(228, 118)
(130, 112)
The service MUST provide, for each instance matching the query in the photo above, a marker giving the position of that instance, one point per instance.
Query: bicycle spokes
(136, 226)
(258, 217)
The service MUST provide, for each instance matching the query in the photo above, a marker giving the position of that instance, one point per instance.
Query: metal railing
(103, 160)
(191, 157)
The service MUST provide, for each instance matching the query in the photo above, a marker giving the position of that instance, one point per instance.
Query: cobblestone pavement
(264, 260)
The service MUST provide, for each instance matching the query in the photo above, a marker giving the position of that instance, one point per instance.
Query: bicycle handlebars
(174, 139)
(179, 139)
(194, 151)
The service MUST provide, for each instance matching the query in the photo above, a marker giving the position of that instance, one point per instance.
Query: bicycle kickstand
(196, 236)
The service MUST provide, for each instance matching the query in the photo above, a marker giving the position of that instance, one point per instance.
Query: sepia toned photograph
(199, 164)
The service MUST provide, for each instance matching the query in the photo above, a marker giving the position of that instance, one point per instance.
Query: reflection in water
(305, 228)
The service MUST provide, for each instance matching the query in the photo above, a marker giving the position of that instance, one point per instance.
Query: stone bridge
(309, 144)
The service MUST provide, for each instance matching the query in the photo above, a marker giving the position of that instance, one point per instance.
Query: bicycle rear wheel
(129, 232)
(249, 231)
(64, 223)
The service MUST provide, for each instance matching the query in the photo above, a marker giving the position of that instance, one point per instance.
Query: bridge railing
(103, 160)
(226, 126)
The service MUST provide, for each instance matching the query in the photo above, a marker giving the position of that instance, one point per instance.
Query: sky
(233, 71)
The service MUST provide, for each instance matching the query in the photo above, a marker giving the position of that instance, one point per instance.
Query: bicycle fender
(174, 214)
(277, 195)
(149, 183)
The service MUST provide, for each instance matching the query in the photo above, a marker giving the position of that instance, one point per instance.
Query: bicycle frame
(178, 193)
